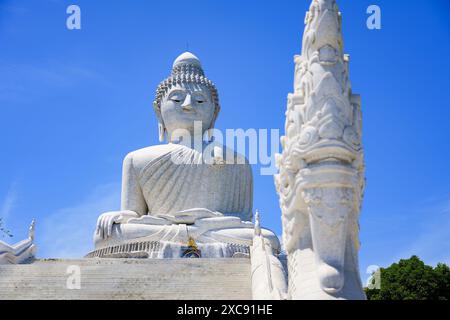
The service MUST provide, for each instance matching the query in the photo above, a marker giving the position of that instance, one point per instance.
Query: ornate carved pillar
(321, 169)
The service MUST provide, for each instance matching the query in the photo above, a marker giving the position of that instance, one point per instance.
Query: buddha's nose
(187, 104)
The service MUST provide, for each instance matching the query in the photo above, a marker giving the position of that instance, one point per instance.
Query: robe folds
(177, 179)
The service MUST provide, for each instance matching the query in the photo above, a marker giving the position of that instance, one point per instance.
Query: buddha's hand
(106, 221)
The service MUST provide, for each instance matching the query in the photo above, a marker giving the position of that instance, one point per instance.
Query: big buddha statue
(172, 197)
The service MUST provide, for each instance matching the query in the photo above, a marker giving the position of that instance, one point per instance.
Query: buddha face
(185, 104)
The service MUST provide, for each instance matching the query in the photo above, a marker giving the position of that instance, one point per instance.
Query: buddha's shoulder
(142, 157)
(234, 156)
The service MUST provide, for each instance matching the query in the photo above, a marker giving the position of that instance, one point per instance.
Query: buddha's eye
(177, 98)
(199, 98)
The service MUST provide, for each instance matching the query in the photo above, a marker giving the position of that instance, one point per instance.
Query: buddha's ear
(162, 132)
(209, 131)
(161, 127)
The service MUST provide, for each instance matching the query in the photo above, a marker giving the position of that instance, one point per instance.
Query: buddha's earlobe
(162, 132)
(210, 133)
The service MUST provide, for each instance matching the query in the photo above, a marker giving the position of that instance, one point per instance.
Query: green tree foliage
(412, 279)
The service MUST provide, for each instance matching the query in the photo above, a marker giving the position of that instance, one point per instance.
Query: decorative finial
(31, 230)
(257, 224)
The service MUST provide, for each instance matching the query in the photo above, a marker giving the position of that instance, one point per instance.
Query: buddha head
(186, 97)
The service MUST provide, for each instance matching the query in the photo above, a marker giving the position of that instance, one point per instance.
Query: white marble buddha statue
(169, 192)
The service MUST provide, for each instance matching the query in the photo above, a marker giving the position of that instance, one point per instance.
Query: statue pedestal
(170, 250)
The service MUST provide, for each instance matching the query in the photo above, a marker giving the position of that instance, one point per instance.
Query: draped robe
(171, 178)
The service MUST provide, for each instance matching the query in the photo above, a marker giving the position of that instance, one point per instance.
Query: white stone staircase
(129, 279)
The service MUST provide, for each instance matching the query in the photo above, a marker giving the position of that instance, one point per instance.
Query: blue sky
(73, 103)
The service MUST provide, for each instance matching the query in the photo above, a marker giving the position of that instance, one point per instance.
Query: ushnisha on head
(185, 97)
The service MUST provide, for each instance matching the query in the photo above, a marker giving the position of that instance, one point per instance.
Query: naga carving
(321, 169)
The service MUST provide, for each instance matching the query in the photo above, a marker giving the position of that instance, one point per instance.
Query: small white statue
(22, 252)
(269, 281)
(169, 193)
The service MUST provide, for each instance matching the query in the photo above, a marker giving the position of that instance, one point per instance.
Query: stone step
(129, 279)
